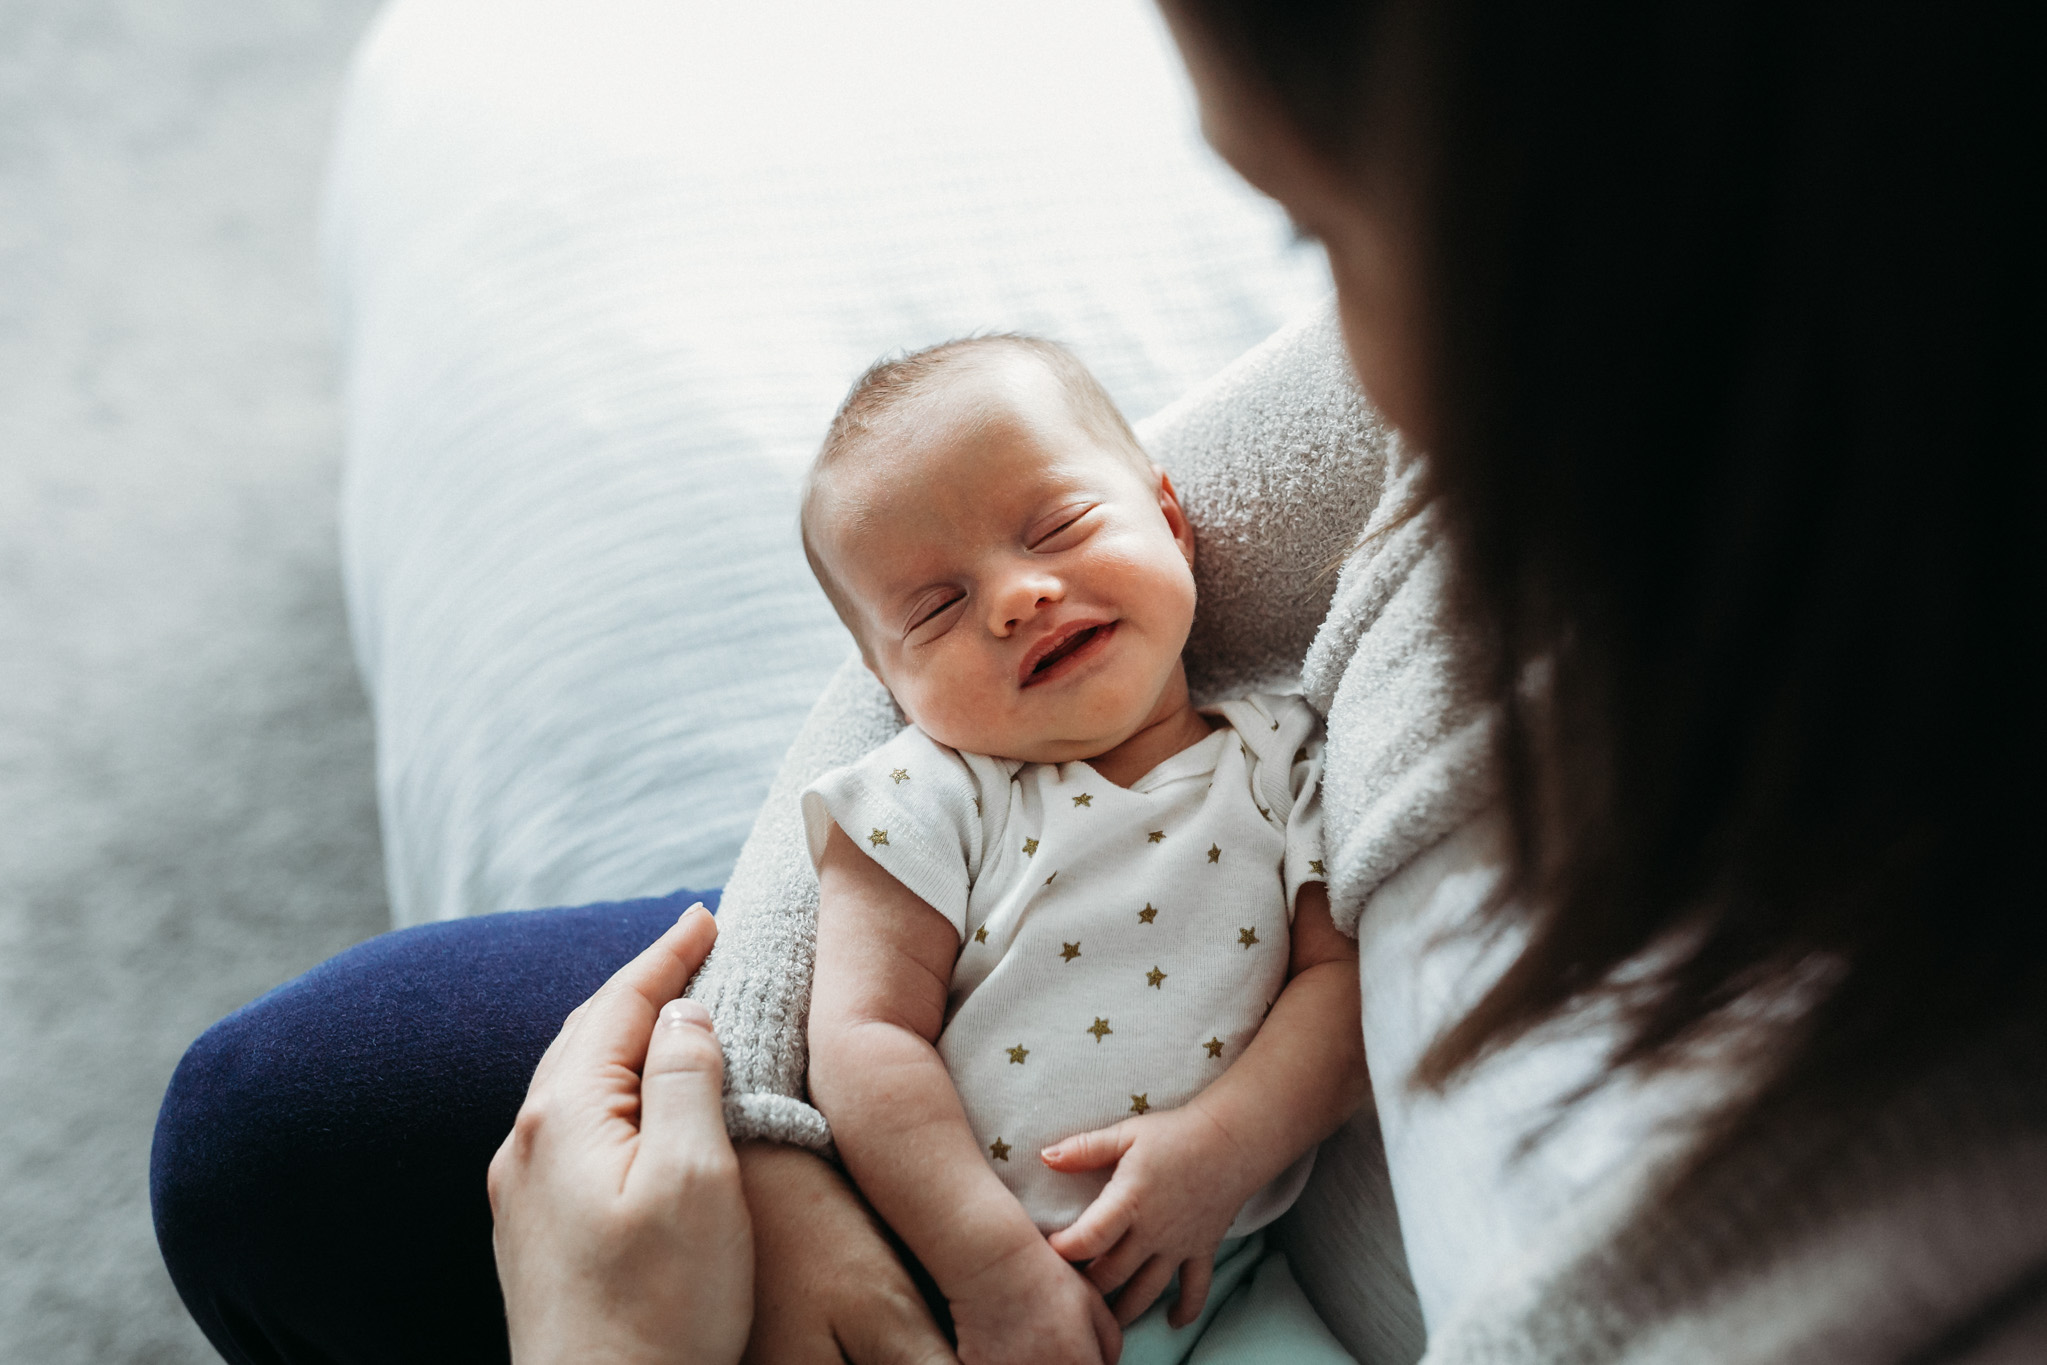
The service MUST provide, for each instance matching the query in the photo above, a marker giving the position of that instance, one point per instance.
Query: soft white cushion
(603, 270)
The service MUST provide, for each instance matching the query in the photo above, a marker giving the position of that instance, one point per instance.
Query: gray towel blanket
(1917, 1234)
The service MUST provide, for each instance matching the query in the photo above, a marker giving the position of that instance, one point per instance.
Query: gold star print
(1030, 848)
(1147, 915)
(1100, 1028)
(999, 1150)
(1214, 1046)
(981, 934)
(1155, 978)
(1316, 867)
(1084, 799)
(1140, 1103)
(1215, 854)
(1247, 937)
(878, 838)
(899, 776)
(1018, 1053)
(1048, 880)
(1157, 836)
(1070, 951)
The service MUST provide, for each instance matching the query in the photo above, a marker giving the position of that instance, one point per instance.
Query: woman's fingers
(612, 1027)
(1196, 1274)
(1090, 1151)
(1100, 1226)
(619, 1222)
(682, 1108)
(1144, 1289)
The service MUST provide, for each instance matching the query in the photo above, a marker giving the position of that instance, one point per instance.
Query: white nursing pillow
(602, 272)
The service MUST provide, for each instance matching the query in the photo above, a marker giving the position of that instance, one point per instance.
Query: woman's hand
(830, 1286)
(621, 1230)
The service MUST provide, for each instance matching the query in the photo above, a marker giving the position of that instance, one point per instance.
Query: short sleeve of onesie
(1283, 736)
(1304, 823)
(917, 808)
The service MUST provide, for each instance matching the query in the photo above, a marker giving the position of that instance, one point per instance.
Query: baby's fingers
(1195, 1276)
(1144, 1289)
(1100, 1226)
(1090, 1151)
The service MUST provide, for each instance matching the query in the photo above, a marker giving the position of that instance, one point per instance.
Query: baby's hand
(1031, 1307)
(1175, 1193)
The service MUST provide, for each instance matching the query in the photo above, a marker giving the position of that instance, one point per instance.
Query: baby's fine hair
(895, 380)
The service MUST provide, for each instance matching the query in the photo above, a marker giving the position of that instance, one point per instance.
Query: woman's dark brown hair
(1738, 385)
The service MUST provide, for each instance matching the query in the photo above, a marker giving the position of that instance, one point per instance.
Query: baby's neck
(1165, 733)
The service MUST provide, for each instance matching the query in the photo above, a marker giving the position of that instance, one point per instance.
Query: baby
(1080, 1013)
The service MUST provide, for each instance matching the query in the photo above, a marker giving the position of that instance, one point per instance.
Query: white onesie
(1119, 946)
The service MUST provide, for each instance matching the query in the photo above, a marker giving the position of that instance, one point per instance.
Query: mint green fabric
(1255, 1315)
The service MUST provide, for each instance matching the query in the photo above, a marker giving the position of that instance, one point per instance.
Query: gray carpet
(186, 813)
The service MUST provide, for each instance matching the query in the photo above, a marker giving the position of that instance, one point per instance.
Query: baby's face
(1022, 588)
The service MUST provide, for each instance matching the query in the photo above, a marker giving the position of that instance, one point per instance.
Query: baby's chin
(1032, 748)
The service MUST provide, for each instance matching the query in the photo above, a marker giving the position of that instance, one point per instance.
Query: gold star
(1100, 1028)
(1084, 799)
(878, 838)
(899, 776)
(1140, 1103)
(999, 1150)
(1048, 880)
(1214, 1046)
(981, 933)
(1147, 915)
(977, 805)
(1070, 951)
(1155, 977)
(1157, 836)
(1316, 868)
(1030, 848)
(1247, 937)
(1018, 1053)
(1215, 855)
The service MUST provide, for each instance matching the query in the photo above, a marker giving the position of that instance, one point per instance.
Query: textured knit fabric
(318, 1172)
(1119, 946)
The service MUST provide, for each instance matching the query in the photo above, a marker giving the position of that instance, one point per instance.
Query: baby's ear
(1176, 517)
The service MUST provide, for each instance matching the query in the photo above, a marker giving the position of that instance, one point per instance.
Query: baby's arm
(1182, 1174)
(884, 964)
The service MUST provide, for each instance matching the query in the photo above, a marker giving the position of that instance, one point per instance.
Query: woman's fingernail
(686, 1011)
(1049, 1154)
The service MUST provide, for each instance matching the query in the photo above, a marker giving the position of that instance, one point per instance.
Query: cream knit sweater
(1919, 1235)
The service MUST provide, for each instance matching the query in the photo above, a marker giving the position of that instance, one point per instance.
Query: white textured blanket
(603, 272)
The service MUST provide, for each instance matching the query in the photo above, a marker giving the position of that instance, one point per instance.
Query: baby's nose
(1022, 601)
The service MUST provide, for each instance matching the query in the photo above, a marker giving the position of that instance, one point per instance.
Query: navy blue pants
(318, 1171)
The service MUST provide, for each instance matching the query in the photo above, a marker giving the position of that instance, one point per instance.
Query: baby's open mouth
(1066, 649)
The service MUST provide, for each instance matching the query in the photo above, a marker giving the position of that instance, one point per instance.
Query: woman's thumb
(682, 1108)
